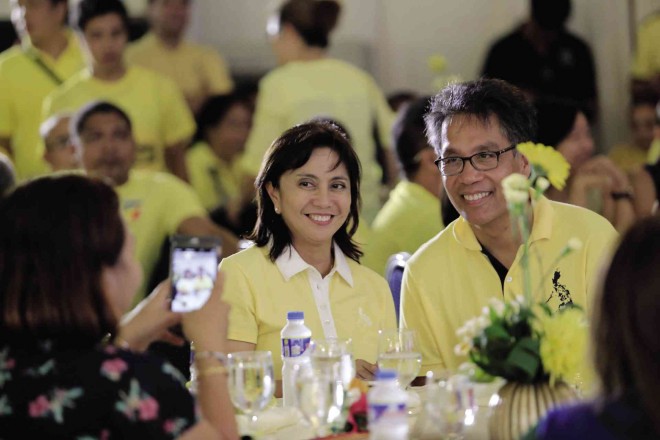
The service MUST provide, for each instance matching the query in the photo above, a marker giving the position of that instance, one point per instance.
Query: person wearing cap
(60, 152)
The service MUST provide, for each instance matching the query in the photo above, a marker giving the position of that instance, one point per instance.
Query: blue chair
(394, 276)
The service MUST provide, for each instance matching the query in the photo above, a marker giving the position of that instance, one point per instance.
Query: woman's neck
(321, 257)
(109, 73)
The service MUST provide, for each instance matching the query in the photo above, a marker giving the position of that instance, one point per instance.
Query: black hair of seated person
(50, 283)
(86, 10)
(624, 330)
(482, 99)
(7, 175)
(79, 120)
(213, 112)
(555, 118)
(550, 15)
(291, 151)
(312, 19)
(397, 99)
(408, 135)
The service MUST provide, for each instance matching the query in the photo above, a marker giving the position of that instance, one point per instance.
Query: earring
(277, 210)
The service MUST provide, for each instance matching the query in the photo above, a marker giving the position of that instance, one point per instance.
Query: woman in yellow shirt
(304, 257)
(309, 84)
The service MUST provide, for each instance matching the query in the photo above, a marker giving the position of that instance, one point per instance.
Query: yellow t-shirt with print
(628, 157)
(410, 217)
(449, 280)
(199, 71)
(260, 298)
(302, 90)
(646, 62)
(23, 87)
(215, 181)
(158, 112)
(153, 205)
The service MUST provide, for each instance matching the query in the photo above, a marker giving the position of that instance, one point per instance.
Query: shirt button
(509, 279)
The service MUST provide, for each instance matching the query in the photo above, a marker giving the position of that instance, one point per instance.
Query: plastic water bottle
(295, 340)
(388, 414)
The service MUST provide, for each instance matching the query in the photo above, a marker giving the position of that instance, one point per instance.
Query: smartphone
(193, 270)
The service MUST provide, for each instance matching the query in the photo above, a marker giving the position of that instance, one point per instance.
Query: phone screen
(193, 272)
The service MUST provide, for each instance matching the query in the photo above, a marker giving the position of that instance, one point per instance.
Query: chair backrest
(394, 276)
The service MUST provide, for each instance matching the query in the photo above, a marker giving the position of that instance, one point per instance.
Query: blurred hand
(149, 321)
(364, 370)
(207, 327)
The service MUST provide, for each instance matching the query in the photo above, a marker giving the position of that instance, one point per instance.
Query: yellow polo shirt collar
(290, 263)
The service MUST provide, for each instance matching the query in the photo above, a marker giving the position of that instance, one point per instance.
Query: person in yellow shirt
(645, 70)
(163, 123)
(474, 128)
(48, 55)
(199, 71)
(635, 153)
(412, 214)
(216, 173)
(154, 205)
(304, 257)
(60, 152)
(309, 84)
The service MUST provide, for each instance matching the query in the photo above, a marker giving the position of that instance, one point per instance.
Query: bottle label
(294, 347)
(386, 411)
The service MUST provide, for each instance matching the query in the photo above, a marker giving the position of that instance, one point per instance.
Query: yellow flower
(546, 162)
(564, 345)
(437, 63)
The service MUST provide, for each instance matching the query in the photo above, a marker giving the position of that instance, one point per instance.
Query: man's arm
(204, 226)
(175, 160)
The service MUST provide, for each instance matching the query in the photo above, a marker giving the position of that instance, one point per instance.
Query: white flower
(516, 197)
(574, 244)
(462, 348)
(497, 305)
(542, 184)
(482, 323)
(516, 182)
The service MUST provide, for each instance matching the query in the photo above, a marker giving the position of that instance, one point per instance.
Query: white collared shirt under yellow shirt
(199, 71)
(23, 87)
(449, 279)
(158, 112)
(351, 301)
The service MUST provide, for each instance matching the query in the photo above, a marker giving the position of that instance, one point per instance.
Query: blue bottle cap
(386, 374)
(295, 315)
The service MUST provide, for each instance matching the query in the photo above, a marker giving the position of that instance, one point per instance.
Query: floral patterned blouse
(101, 393)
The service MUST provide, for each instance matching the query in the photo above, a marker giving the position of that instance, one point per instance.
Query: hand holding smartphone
(193, 270)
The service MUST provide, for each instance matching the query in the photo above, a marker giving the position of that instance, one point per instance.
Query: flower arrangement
(521, 340)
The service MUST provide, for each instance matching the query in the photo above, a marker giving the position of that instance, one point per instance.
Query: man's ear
(525, 166)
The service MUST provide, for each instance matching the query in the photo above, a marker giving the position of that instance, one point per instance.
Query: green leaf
(525, 357)
(496, 332)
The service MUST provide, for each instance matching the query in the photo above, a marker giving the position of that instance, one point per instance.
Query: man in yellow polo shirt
(411, 215)
(199, 71)
(474, 128)
(48, 55)
(163, 124)
(154, 205)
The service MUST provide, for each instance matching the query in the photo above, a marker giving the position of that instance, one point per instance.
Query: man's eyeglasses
(482, 161)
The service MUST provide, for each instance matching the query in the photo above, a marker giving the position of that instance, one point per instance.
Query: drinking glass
(334, 356)
(320, 396)
(251, 382)
(397, 351)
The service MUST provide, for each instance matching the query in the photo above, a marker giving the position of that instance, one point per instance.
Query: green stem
(523, 224)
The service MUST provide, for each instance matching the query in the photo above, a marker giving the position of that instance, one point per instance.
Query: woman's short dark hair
(86, 10)
(56, 236)
(556, 118)
(290, 151)
(482, 99)
(624, 329)
(408, 135)
(312, 19)
(214, 110)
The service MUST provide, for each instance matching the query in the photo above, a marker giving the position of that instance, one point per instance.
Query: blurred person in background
(544, 58)
(309, 84)
(637, 151)
(7, 175)
(199, 71)
(48, 55)
(595, 182)
(224, 186)
(412, 214)
(163, 124)
(646, 179)
(72, 365)
(60, 152)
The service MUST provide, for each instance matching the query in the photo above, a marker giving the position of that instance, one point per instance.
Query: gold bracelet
(220, 369)
(208, 354)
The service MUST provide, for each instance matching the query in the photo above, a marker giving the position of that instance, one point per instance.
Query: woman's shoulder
(254, 257)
